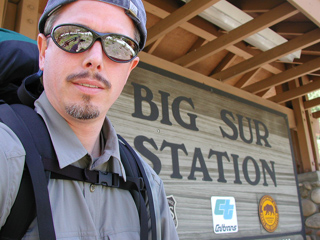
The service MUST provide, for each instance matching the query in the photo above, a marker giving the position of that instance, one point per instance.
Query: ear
(42, 46)
(134, 63)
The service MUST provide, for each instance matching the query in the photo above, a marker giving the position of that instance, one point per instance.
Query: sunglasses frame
(96, 35)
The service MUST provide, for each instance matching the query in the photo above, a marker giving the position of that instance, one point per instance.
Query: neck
(88, 132)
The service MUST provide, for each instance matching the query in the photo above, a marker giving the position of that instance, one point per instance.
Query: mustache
(87, 74)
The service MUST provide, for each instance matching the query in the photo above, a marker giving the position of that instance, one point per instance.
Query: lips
(90, 87)
(89, 80)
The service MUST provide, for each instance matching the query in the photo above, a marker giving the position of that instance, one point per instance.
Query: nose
(94, 57)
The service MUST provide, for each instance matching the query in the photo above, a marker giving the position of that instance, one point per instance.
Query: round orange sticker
(268, 213)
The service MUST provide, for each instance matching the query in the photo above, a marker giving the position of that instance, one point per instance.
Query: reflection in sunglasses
(76, 38)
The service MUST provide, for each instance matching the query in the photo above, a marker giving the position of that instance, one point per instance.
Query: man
(87, 50)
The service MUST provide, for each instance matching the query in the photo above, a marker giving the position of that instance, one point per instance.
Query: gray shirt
(80, 210)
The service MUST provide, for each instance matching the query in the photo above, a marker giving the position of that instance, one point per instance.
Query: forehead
(100, 16)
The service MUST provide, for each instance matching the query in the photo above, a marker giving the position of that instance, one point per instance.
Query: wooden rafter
(316, 114)
(303, 59)
(246, 78)
(273, 54)
(311, 103)
(285, 76)
(178, 17)
(197, 44)
(225, 62)
(293, 28)
(296, 93)
(312, 50)
(152, 47)
(196, 27)
(257, 6)
(176, 29)
(275, 15)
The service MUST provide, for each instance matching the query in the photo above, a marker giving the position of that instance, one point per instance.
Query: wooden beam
(315, 74)
(311, 103)
(242, 50)
(312, 50)
(303, 59)
(152, 47)
(285, 76)
(246, 78)
(275, 15)
(316, 114)
(197, 77)
(293, 28)
(296, 93)
(225, 62)
(263, 93)
(307, 159)
(273, 54)
(255, 6)
(3, 7)
(197, 44)
(28, 18)
(309, 8)
(201, 28)
(178, 17)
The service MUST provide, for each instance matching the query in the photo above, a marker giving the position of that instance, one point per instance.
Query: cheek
(120, 81)
(52, 75)
(48, 80)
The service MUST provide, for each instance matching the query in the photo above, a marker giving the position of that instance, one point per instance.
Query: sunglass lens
(73, 39)
(119, 48)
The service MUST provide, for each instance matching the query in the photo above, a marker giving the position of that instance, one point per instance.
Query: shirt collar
(68, 147)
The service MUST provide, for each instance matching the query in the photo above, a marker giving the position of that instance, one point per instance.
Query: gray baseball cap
(133, 8)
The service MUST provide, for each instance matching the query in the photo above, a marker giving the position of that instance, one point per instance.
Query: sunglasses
(74, 38)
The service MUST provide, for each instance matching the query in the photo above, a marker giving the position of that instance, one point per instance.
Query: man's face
(85, 85)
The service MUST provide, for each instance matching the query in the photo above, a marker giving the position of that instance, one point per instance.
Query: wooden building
(181, 41)
(264, 52)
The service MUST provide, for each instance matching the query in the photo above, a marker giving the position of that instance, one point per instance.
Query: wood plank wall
(204, 142)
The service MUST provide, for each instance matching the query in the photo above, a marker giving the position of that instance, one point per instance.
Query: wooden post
(3, 6)
(304, 139)
(296, 150)
(313, 128)
(27, 20)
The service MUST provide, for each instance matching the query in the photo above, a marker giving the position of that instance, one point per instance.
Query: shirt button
(92, 187)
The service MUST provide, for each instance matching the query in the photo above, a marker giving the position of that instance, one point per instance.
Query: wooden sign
(218, 156)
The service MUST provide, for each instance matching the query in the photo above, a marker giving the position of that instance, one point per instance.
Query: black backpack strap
(22, 212)
(134, 183)
(19, 120)
(136, 179)
(135, 164)
(139, 197)
(107, 179)
(27, 124)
